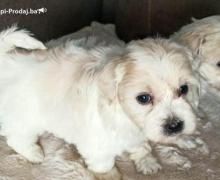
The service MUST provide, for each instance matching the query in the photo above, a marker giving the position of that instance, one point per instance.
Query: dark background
(133, 18)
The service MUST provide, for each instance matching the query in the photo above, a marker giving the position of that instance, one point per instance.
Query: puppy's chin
(158, 136)
(166, 140)
(162, 138)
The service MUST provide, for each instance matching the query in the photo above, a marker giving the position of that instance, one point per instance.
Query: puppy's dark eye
(144, 98)
(218, 64)
(183, 90)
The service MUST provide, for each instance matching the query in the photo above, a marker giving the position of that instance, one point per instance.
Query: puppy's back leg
(12, 38)
(25, 144)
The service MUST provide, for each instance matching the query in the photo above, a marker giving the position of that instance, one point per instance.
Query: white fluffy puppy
(144, 92)
(203, 37)
(104, 35)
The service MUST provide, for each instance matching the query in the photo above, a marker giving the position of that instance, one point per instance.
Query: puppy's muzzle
(173, 126)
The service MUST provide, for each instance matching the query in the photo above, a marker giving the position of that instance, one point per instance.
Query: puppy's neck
(114, 118)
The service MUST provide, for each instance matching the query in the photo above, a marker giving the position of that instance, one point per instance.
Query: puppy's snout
(173, 126)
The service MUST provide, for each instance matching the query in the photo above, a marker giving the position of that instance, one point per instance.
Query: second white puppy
(104, 107)
(203, 37)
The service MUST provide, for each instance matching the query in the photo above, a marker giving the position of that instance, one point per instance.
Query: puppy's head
(155, 86)
(203, 37)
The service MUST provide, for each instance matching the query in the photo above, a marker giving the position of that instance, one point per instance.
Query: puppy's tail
(12, 38)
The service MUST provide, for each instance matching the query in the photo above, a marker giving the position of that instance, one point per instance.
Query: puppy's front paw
(190, 142)
(171, 156)
(187, 143)
(114, 174)
(202, 147)
(35, 154)
(147, 165)
(32, 152)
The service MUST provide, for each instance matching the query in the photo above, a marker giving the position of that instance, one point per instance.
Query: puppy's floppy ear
(197, 44)
(195, 93)
(110, 78)
(195, 41)
(12, 38)
(190, 39)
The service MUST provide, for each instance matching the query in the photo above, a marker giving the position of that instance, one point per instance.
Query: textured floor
(61, 163)
(203, 167)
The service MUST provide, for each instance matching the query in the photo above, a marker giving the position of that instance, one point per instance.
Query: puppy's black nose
(173, 126)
